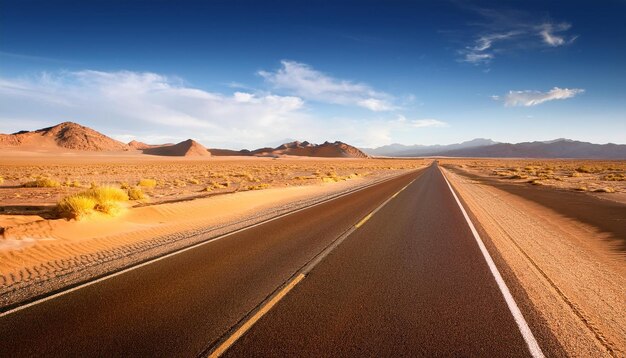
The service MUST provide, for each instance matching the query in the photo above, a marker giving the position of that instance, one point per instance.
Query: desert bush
(330, 179)
(1, 180)
(258, 187)
(222, 185)
(584, 169)
(519, 176)
(76, 206)
(42, 183)
(194, 181)
(107, 193)
(135, 193)
(104, 199)
(147, 183)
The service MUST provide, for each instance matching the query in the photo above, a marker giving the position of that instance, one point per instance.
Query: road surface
(408, 281)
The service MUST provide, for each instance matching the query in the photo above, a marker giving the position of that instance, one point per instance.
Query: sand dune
(67, 135)
(188, 148)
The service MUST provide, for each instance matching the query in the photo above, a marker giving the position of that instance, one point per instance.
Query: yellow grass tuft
(135, 194)
(76, 206)
(107, 193)
(104, 199)
(1, 180)
(42, 183)
(147, 183)
(258, 187)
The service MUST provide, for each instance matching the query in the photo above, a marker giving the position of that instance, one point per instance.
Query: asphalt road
(178, 306)
(410, 281)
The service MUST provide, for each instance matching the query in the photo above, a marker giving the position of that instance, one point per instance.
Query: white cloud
(375, 105)
(304, 81)
(421, 123)
(548, 33)
(153, 108)
(533, 98)
(477, 54)
(506, 31)
(477, 58)
(144, 103)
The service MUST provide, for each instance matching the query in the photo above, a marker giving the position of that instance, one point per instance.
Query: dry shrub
(147, 183)
(258, 187)
(136, 194)
(104, 199)
(1, 180)
(76, 206)
(42, 183)
(107, 193)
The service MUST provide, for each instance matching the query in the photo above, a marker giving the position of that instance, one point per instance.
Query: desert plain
(553, 223)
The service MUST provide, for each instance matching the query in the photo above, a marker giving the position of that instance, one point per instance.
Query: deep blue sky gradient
(408, 49)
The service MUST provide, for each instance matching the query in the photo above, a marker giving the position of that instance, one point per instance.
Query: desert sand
(598, 176)
(192, 198)
(574, 275)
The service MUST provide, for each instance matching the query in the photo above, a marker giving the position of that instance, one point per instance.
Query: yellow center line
(260, 313)
(225, 345)
(369, 216)
(360, 223)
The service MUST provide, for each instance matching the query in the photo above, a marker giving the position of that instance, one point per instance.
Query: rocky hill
(67, 135)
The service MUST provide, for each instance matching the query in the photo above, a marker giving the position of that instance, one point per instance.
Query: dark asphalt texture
(410, 282)
(178, 306)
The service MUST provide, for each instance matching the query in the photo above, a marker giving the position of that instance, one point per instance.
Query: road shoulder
(573, 277)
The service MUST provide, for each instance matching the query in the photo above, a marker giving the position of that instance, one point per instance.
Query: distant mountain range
(558, 148)
(305, 149)
(417, 150)
(73, 136)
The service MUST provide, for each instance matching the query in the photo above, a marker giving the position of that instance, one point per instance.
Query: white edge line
(176, 252)
(531, 342)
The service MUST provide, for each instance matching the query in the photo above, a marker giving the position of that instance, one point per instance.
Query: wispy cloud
(155, 108)
(141, 101)
(304, 81)
(421, 123)
(532, 98)
(503, 31)
(551, 34)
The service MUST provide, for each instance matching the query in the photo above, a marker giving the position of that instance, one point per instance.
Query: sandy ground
(38, 255)
(175, 178)
(600, 176)
(570, 272)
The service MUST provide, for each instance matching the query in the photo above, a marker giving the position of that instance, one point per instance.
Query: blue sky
(248, 74)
